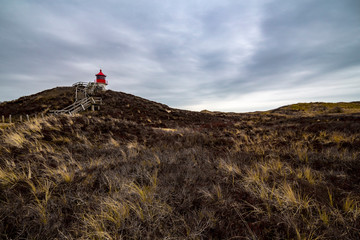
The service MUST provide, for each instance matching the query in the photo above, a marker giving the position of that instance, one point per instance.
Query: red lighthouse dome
(100, 78)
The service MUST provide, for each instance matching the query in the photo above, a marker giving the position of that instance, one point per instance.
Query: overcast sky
(222, 55)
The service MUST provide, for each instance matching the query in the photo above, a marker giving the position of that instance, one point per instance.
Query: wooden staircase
(84, 89)
(79, 106)
(83, 98)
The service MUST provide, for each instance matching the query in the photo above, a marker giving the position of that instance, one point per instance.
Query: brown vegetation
(141, 170)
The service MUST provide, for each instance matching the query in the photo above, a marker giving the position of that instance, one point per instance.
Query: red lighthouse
(100, 79)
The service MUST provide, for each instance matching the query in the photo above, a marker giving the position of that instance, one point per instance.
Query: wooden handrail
(79, 106)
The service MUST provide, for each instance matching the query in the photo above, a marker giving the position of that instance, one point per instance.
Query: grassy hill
(137, 169)
(42, 102)
(322, 107)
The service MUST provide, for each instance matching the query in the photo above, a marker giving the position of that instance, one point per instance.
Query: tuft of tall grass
(15, 139)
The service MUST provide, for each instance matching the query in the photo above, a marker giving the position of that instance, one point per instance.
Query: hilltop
(137, 169)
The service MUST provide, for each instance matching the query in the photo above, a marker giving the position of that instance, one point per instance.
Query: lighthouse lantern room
(100, 79)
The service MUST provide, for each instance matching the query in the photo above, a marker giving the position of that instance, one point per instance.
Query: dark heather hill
(41, 102)
(137, 169)
(115, 104)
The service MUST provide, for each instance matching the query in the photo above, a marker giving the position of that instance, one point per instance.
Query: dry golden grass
(263, 177)
(5, 125)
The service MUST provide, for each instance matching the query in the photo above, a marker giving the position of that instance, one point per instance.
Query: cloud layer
(217, 55)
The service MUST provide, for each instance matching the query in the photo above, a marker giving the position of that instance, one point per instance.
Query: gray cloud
(315, 37)
(219, 55)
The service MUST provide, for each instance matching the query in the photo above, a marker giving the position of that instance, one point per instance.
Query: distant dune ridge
(137, 169)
